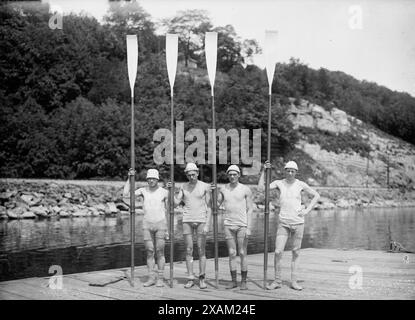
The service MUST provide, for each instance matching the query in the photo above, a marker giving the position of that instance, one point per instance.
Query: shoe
(232, 285)
(274, 285)
(150, 282)
(189, 284)
(296, 286)
(160, 283)
(243, 281)
(243, 285)
(202, 284)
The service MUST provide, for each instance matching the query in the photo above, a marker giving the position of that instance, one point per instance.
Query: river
(29, 247)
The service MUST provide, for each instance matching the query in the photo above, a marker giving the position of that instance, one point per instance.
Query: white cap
(152, 174)
(191, 167)
(291, 165)
(233, 167)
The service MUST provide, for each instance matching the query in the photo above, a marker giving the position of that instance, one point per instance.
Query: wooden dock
(324, 274)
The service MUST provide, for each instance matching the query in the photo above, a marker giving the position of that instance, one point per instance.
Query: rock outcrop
(387, 153)
(23, 200)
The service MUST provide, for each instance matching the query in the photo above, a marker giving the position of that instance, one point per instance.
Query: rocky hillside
(348, 152)
(24, 200)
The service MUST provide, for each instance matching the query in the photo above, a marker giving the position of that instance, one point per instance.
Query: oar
(171, 60)
(211, 45)
(270, 50)
(132, 60)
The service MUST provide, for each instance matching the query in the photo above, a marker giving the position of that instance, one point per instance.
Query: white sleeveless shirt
(153, 204)
(290, 200)
(234, 201)
(195, 207)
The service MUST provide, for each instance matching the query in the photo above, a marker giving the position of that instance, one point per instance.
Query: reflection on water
(362, 229)
(29, 247)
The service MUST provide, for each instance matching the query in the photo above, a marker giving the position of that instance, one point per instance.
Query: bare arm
(167, 212)
(179, 197)
(313, 201)
(249, 209)
(167, 208)
(176, 198)
(261, 182)
(208, 199)
(126, 192)
(220, 197)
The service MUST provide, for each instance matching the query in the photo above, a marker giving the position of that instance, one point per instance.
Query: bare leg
(280, 242)
(150, 256)
(161, 260)
(188, 239)
(232, 254)
(294, 283)
(242, 248)
(298, 237)
(232, 262)
(201, 245)
(150, 262)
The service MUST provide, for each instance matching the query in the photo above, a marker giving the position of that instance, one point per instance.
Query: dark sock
(233, 283)
(202, 277)
(233, 275)
(244, 275)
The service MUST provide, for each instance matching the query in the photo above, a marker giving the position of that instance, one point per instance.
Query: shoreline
(45, 198)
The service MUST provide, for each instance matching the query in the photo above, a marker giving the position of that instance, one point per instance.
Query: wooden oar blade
(211, 49)
(172, 43)
(270, 54)
(132, 59)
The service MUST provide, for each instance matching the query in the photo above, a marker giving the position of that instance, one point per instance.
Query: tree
(130, 18)
(250, 47)
(229, 48)
(191, 26)
(51, 66)
(109, 78)
(324, 85)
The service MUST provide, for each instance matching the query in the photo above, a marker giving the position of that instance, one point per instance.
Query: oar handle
(132, 190)
(171, 202)
(267, 182)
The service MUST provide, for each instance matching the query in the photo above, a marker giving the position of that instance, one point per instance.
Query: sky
(372, 40)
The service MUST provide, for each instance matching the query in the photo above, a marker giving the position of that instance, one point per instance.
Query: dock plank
(5, 295)
(324, 274)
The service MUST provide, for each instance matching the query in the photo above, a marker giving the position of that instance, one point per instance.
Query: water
(29, 247)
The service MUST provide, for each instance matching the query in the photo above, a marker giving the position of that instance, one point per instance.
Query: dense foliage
(65, 97)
